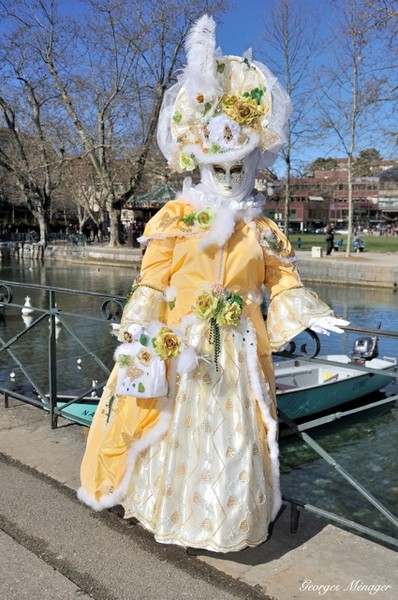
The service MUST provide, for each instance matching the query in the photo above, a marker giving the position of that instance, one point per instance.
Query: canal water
(365, 444)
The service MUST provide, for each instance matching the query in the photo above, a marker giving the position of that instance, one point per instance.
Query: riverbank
(368, 269)
(318, 560)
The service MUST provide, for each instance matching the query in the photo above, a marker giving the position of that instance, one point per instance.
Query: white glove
(325, 325)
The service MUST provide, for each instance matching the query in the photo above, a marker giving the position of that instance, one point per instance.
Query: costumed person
(185, 434)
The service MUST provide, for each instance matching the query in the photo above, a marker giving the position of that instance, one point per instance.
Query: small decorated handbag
(142, 366)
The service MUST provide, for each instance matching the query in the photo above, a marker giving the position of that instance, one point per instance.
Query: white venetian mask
(230, 179)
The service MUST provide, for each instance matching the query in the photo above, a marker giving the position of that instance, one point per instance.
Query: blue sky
(242, 27)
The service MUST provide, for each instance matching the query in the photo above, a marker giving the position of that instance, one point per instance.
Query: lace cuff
(144, 306)
(290, 313)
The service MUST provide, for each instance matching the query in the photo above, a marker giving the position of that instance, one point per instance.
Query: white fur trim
(170, 293)
(130, 349)
(221, 230)
(269, 421)
(143, 240)
(186, 361)
(158, 431)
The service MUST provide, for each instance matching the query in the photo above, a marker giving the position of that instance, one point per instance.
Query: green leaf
(141, 387)
(124, 360)
(171, 304)
(207, 107)
(177, 117)
(220, 67)
(257, 94)
(144, 339)
(235, 298)
(189, 219)
(215, 148)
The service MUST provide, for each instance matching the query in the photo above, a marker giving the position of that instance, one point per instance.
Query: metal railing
(109, 309)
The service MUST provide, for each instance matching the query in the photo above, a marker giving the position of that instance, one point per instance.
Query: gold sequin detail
(181, 397)
(255, 449)
(248, 403)
(207, 378)
(174, 444)
(207, 525)
(244, 526)
(232, 501)
(181, 470)
(166, 491)
(243, 476)
(230, 452)
(133, 372)
(137, 435)
(261, 497)
(241, 357)
(229, 404)
(196, 375)
(188, 422)
(175, 517)
(206, 476)
(239, 427)
(144, 454)
(127, 439)
(207, 426)
(166, 221)
(196, 498)
(107, 487)
(158, 482)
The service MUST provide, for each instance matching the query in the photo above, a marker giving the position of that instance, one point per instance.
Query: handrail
(110, 312)
(51, 399)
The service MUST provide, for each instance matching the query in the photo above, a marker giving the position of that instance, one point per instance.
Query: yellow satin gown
(199, 467)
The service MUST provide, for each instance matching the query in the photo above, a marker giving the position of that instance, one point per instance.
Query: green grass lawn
(372, 244)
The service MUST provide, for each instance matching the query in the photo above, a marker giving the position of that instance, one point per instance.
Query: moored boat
(306, 388)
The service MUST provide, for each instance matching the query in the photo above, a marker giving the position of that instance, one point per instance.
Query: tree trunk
(115, 227)
(44, 227)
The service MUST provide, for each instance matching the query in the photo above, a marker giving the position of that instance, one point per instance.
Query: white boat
(306, 388)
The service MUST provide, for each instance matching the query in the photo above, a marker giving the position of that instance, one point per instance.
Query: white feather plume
(200, 74)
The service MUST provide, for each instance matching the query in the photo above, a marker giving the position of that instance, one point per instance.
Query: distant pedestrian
(299, 243)
(329, 238)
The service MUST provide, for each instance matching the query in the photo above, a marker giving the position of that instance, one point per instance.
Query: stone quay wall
(365, 269)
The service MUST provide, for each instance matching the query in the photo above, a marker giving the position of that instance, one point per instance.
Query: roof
(389, 174)
(156, 198)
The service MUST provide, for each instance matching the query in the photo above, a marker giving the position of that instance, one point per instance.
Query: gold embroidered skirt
(211, 481)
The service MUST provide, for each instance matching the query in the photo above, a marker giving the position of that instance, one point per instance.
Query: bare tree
(28, 151)
(292, 48)
(353, 88)
(110, 67)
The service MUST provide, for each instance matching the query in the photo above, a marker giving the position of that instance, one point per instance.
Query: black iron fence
(64, 308)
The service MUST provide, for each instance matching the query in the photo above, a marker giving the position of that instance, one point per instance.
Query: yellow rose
(144, 356)
(204, 218)
(244, 110)
(205, 306)
(187, 162)
(230, 316)
(167, 343)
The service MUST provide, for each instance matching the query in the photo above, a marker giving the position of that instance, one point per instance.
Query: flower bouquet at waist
(221, 308)
(142, 367)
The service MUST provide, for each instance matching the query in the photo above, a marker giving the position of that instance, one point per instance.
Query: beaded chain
(214, 339)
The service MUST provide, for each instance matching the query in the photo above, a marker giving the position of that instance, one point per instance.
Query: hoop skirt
(199, 467)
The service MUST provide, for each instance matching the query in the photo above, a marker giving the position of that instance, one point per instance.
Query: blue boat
(306, 388)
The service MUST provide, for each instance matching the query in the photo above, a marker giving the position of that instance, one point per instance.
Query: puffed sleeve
(147, 303)
(292, 305)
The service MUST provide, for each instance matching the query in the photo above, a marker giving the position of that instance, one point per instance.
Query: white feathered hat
(222, 107)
